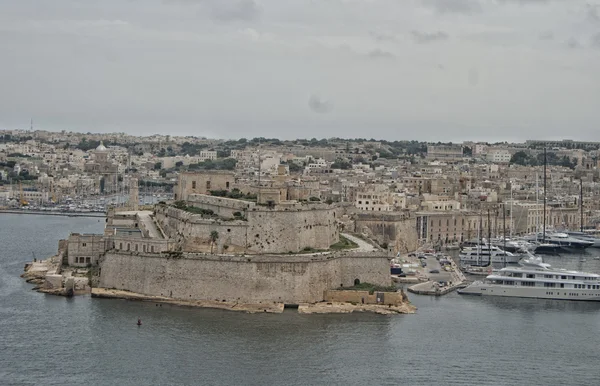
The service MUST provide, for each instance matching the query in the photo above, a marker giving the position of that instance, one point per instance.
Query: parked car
(434, 271)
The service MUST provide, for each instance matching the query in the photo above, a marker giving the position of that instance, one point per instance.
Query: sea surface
(452, 340)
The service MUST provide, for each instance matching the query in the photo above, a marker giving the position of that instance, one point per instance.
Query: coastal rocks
(274, 308)
(35, 272)
(344, 308)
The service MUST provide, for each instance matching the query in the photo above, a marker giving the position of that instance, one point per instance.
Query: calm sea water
(453, 340)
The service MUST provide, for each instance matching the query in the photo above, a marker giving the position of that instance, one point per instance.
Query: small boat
(597, 258)
(139, 323)
(582, 260)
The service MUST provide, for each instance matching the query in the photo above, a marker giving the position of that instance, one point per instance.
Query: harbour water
(452, 340)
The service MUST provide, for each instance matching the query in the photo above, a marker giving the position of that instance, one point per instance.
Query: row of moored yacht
(503, 251)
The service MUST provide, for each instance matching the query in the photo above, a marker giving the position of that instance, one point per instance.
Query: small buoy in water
(139, 323)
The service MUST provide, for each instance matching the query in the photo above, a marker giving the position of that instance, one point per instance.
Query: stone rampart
(289, 279)
(264, 231)
(221, 206)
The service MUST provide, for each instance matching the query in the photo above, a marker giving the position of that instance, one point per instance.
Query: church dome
(101, 147)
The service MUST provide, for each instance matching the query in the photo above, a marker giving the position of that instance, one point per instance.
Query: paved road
(363, 246)
(432, 263)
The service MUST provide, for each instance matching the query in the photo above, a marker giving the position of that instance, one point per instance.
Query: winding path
(363, 246)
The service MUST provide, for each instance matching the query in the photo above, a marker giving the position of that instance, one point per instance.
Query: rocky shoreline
(274, 308)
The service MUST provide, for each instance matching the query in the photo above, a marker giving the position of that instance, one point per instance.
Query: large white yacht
(535, 279)
(480, 255)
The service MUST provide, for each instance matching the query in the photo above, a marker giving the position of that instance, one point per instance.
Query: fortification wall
(265, 231)
(293, 230)
(287, 279)
(397, 231)
(223, 207)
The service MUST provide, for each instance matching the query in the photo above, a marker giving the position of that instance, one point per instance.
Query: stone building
(85, 249)
(202, 183)
(529, 217)
(445, 152)
(395, 230)
(457, 226)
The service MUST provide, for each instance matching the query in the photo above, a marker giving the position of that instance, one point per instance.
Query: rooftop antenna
(31, 124)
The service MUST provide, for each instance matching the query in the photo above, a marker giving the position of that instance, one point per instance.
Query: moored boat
(535, 279)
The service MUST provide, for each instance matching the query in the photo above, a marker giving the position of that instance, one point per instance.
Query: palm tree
(214, 235)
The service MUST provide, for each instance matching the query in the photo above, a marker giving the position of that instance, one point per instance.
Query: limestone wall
(398, 231)
(287, 279)
(134, 244)
(223, 207)
(84, 249)
(265, 231)
(202, 183)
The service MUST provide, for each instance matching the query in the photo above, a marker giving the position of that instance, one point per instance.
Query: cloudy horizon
(432, 70)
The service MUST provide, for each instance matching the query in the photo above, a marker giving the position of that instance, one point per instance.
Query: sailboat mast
(504, 224)
(581, 204)
(511, 210)
(544, 228)
(479, 230)
(537, 207)
(504, 230)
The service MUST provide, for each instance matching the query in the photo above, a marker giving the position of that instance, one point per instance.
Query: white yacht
(535, 279)
(480, 256)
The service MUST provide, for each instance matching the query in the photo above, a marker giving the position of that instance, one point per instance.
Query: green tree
(214, 236)
(519, 158)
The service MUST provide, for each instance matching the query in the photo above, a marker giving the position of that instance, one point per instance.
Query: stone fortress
(209, 248)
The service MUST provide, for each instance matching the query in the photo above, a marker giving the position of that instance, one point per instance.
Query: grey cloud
(572, 43)
(525, 2)
(226, 10)
(596, 40)
(454, 6)
(593, 14)
(240, 10)
(548, 35)
(380, 54)
(425, 37)
(319, 105)
(381, 37)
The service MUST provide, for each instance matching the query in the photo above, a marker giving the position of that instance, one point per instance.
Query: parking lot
(434, 264)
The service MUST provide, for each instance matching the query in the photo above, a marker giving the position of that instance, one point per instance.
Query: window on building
(227, 185)
(193, 184)
(207, 185)
(83, 244)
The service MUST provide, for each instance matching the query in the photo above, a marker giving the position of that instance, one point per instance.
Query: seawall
(285, 279)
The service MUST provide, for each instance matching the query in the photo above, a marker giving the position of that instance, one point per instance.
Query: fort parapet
(280, 229)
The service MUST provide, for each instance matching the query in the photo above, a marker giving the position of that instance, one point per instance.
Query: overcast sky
(387, 69)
